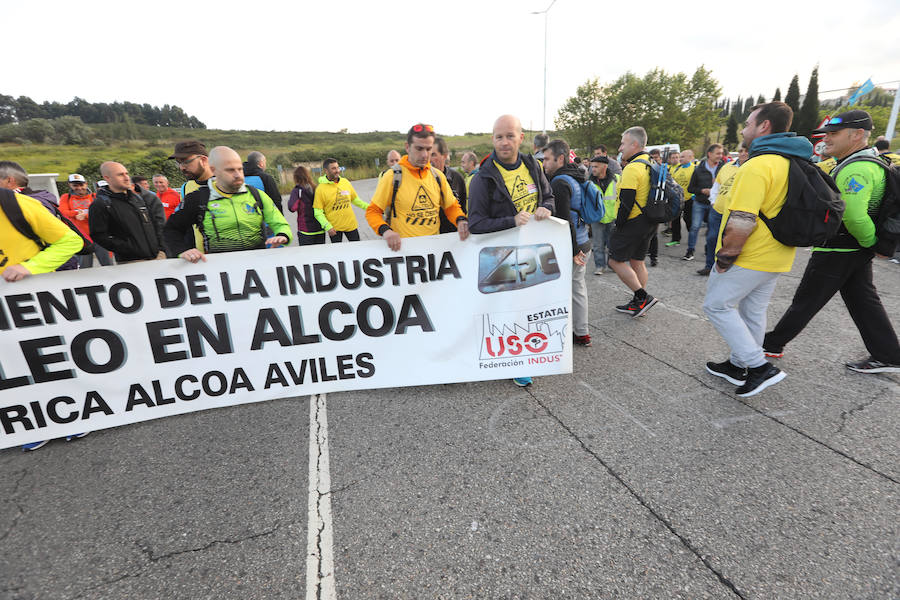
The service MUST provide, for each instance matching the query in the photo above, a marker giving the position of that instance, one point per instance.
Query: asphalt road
(637, 476)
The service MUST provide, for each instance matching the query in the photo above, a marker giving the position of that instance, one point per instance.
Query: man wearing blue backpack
(571, 189)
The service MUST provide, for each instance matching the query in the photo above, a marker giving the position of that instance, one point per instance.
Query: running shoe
(728, 371)
(870, 365)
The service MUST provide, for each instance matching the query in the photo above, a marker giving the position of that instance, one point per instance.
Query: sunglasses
(420, 127)
(182, 163)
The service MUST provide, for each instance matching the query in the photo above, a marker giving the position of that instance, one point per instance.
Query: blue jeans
(699, 214)
(712, 237)
(601, 233)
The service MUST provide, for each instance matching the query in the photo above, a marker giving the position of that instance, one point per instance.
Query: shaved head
(507, 138)
(508, 121)
(227, 168)
(116, 175)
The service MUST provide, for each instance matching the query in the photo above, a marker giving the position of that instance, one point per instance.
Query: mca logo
(854, 186)
(250, 209)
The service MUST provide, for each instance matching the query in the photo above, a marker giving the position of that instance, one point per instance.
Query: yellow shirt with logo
(334, 200)
(725, 179)
(635, 176)
(418, 202)
(16, 249)
(760, 186)
(521, 186)
(682, 176)
(827, 165)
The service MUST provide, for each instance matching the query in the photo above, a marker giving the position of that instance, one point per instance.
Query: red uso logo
(535, 342)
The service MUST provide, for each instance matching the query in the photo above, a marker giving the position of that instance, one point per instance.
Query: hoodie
(562, 194)
(782, 143)
(491, 207)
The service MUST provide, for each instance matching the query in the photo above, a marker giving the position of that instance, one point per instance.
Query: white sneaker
(599, 271)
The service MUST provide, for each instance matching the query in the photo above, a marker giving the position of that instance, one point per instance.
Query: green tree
(809, 112)
(731, 136)
(671, 107)
(39, 131)
(747, 106)
(760, 99)
(792, 98)
(777, 96)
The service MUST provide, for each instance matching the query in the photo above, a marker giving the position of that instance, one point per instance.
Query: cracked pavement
(639, 476)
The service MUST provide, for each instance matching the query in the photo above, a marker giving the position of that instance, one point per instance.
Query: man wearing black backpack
(844, 263)
(124, 222)
(748, 258)
(563, 175)
(630, 240)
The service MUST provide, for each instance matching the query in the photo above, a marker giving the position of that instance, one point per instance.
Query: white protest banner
(87, 350)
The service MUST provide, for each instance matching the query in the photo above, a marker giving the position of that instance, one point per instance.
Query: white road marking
(320, 535)
(602, 397)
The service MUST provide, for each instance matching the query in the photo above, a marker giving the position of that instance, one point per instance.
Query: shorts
(631, 240)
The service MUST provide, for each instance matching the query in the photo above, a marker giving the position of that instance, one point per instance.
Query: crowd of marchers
(230, 205)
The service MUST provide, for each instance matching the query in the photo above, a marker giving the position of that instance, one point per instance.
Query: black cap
(600, 159)
(852, 119)
(188, 148)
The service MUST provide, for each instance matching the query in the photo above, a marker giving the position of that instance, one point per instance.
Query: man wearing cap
(75, 206)
(193, 160)
(230, 216)
(844, 263)
(422, 193)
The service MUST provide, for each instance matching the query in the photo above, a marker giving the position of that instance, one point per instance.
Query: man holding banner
(509, 189)
(229, 215)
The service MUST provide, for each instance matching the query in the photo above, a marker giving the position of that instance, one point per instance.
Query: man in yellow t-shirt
(422, 193)
(630, 240)
(748, 258)
(331, 204)
(509, 189)
(682, 176)
(718, 196)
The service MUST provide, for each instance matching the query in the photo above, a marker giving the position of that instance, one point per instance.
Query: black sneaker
(653, 261)
(759, 378)
(644, 305)
(870, 365)
(729, 371)
(704, 272)
(630, 308)
(689, 255)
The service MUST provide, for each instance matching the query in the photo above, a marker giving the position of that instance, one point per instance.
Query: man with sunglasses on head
(193, 160)
(844, 263)
(421, 193)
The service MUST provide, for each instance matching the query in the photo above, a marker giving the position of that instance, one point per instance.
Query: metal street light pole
(544, 12)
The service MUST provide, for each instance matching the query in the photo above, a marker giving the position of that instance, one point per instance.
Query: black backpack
(17, 219)
(813, 208)
(664, 199)
(887, 221)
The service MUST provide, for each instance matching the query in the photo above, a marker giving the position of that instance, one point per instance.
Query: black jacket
(562, 196)
(458, 185)
(702, 178)
(490, 205)
(127, 224)
(270, 187)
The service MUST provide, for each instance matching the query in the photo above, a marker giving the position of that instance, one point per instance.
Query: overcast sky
(368, 65)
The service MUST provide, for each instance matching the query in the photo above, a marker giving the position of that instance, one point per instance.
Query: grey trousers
(580, 298)
(736, 303)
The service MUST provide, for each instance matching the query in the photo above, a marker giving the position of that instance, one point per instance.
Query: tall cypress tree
(792, 98)
(761, 99)
(731, 137)
(809, 112)
(747, 106)
(777, 96)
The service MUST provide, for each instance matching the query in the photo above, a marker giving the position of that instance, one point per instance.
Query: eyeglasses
(182, 163)
(420, 127)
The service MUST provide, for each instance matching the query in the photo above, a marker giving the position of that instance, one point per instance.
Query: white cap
(102, 183)
(76, 177)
